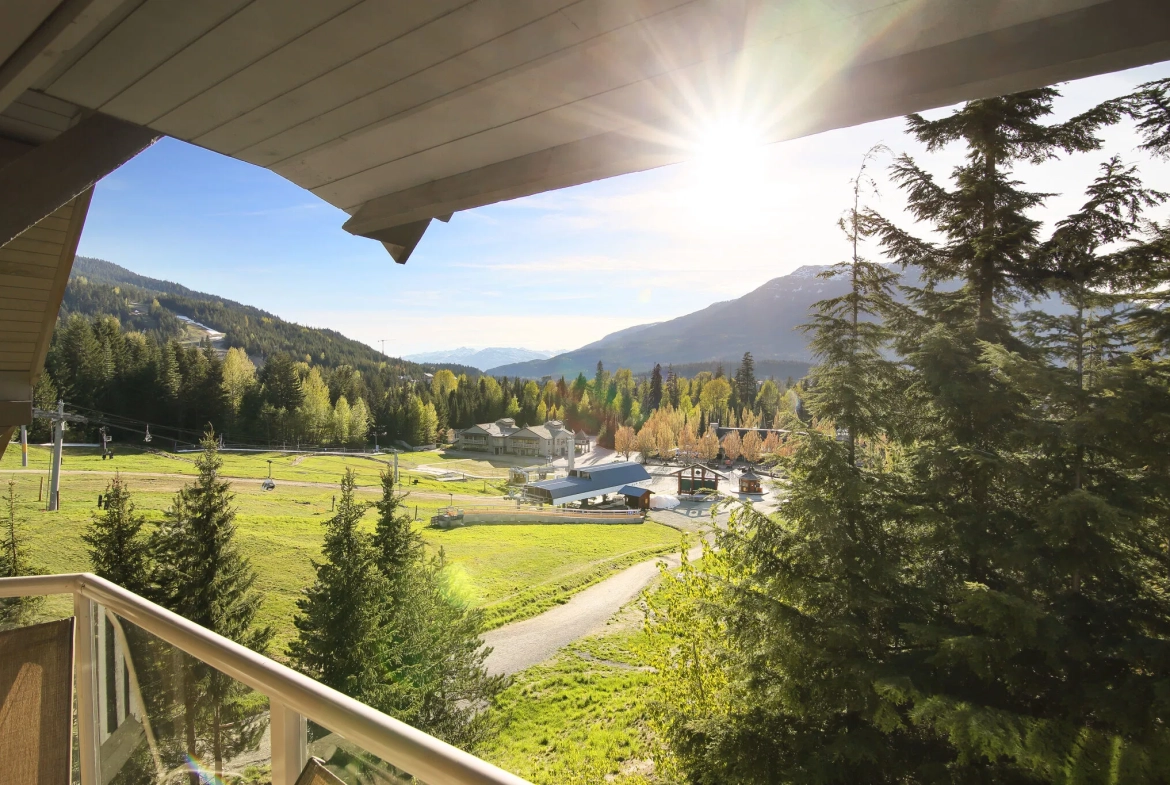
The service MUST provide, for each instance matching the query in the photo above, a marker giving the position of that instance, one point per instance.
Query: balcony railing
(113, 627)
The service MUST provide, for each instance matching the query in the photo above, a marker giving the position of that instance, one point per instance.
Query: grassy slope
(512, 571)
(580, 718)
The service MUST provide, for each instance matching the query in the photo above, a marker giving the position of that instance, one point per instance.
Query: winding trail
(526, 643)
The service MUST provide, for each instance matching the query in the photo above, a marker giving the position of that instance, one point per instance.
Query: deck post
(83, 673)
(289, 732)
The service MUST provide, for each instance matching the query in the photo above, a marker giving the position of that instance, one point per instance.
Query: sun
(724, 178)
(726, 142)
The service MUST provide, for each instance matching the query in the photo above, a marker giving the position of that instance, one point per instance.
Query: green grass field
(511, 571)
(580, 718)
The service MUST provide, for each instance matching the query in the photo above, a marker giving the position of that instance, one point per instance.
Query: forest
(129, 379)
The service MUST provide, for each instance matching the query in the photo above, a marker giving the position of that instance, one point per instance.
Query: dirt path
(526, 643)
(434, 495)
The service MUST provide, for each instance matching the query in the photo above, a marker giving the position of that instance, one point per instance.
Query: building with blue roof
(587, 483)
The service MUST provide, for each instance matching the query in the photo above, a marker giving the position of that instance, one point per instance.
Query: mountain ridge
(98, 287)
(765, 321)
(481, 358)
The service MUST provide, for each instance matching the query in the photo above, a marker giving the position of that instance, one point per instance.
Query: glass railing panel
(350, 762)
(163, 716)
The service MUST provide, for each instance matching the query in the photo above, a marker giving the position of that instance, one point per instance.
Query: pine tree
(14, 562)
(654, 399)
(431, 674)
(342, 612)
(1080, 601)
(118, 549)
(852, 379)
(745, 381)
(1037, 597)
(202, 576)
(397, 546)
(805, 612)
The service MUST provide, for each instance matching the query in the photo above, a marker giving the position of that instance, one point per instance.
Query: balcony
(162, 700)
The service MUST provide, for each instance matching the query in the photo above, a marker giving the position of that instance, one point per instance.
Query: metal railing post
(83, 672)
(290, 743)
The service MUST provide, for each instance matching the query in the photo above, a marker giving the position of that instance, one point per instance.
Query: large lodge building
(504, 437)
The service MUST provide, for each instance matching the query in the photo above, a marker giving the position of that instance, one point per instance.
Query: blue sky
(553, 271)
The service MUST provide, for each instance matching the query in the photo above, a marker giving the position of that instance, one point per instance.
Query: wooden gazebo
(749, 482)
(697, 478)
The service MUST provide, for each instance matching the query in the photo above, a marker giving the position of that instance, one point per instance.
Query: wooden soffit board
(34, 271)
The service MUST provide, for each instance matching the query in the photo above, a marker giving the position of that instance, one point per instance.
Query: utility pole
(59, 418)
(23, 447)
(397, 479)
(58, 440)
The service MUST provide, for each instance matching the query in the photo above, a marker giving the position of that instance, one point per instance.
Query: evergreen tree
(1007, 642)
(977, 592)
(397, 546)
(654, 399)
(202, 576)
(118, 549)
(852, 378)
(745, 381)
(432, 674)
(14, 562)
(342, 612)
(673, 394)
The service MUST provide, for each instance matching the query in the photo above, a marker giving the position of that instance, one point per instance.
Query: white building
(504, 437)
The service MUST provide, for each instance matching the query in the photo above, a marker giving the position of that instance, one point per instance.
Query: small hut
(749, 482)
(636, 498)
(697, 478)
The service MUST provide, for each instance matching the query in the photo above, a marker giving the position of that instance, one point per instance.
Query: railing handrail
(407, 748)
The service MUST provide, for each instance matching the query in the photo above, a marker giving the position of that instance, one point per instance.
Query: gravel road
(525, 643)
(468, 499)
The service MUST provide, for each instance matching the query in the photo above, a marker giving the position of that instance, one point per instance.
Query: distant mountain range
(170, 310)
(481, 358)
(763, 321)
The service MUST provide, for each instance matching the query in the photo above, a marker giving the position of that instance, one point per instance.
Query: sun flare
(727, 141)
(725, 177)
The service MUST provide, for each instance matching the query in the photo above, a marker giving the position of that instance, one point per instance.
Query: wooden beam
(10, 150)
(1095, 39)
(65, 28)
(40, 181)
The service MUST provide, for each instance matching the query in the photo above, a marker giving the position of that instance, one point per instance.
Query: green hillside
(98, 287)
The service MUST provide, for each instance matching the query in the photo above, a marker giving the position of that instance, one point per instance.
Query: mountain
(480, 358)
(763, 321)
(172, 311)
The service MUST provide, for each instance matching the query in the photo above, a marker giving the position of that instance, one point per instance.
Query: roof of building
(505, 426)
(704, 467)
(749, 475)
(634, 490)
(592, 481)
(546, 431)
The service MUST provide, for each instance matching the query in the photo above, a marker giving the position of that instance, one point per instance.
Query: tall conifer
(118, 549)
(814, 601)
(202, 575)
(14, 562)
(342, 612)
(432, 672)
